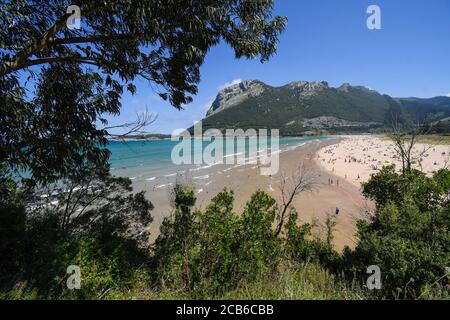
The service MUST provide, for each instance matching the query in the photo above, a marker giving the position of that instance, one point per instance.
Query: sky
(326, 40)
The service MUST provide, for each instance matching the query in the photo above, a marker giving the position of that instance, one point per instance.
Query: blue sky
(328, 40)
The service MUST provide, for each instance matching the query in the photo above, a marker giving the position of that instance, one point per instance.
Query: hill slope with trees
(302, 106)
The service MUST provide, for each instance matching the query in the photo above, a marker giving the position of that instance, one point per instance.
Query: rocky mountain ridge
(303, 106)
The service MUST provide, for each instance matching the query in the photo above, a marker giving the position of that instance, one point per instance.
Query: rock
(235, 94)
(306, 89)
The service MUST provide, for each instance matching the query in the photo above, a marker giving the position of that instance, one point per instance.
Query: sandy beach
(340, 164)
(355, 158)
(244, 180)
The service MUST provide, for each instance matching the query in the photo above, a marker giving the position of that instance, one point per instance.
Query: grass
(435, 139)
(430, 139)
(297, 282)
(291, 282)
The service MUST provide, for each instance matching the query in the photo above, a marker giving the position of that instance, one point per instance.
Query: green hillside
(300, 107)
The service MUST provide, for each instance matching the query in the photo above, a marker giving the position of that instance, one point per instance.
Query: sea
(151, 160)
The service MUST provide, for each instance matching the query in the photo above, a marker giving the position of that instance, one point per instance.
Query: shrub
(302, 246)
(218, 249)
(12, 231)
(409, 236)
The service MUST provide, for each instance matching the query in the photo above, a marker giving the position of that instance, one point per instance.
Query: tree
(409, 233)
(87, 206)
(12, 228)
(177, 35)
(163, 42)
(301, 180)
(405, 139)
(207, 252)
(57, 86)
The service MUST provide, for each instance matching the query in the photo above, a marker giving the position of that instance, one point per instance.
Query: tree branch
(303, 179)
(91, 39)
(30, 63)
(17, 62)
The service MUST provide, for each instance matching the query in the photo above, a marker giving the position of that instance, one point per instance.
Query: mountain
(426, 110)
(301, 107)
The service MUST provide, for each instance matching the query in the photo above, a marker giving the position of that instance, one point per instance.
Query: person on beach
(337, 210)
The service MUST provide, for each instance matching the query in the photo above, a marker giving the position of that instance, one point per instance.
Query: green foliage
(105, 264)
(302, 246)
(52, 121)
(218, 248)
(12, 230)
(290, 281)
(259, 246)
(409, 237)
(388, 185)
(297, 281)
(104, 267)
(95, 222)
(216, 253)
(97, 203)
(442, 179)
(426, 110)
(51, 134)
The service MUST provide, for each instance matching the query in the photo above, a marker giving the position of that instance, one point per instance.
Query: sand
(339, 163)
(313, 207)
(356, 158)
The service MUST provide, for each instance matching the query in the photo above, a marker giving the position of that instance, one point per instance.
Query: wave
(163, 185)
(171, 174)
(202, 177)
(232, 155)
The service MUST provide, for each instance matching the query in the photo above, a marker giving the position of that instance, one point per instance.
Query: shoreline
(244, 180)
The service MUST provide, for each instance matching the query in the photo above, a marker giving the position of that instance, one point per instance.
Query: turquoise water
(147, 160)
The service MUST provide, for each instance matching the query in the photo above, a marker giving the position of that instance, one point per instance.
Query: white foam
(170, 175)
(232, 155)
(163, 185)
(204, 167)
(202, 177)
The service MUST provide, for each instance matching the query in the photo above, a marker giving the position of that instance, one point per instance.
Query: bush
(409, 237)
(37, 247)
(104, 265)
(389, 186)
(207, 253)
(302, 246)
(298, 281)
(12, 231)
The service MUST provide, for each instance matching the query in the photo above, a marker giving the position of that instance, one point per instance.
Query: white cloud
(228, 84)
(448, 95)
